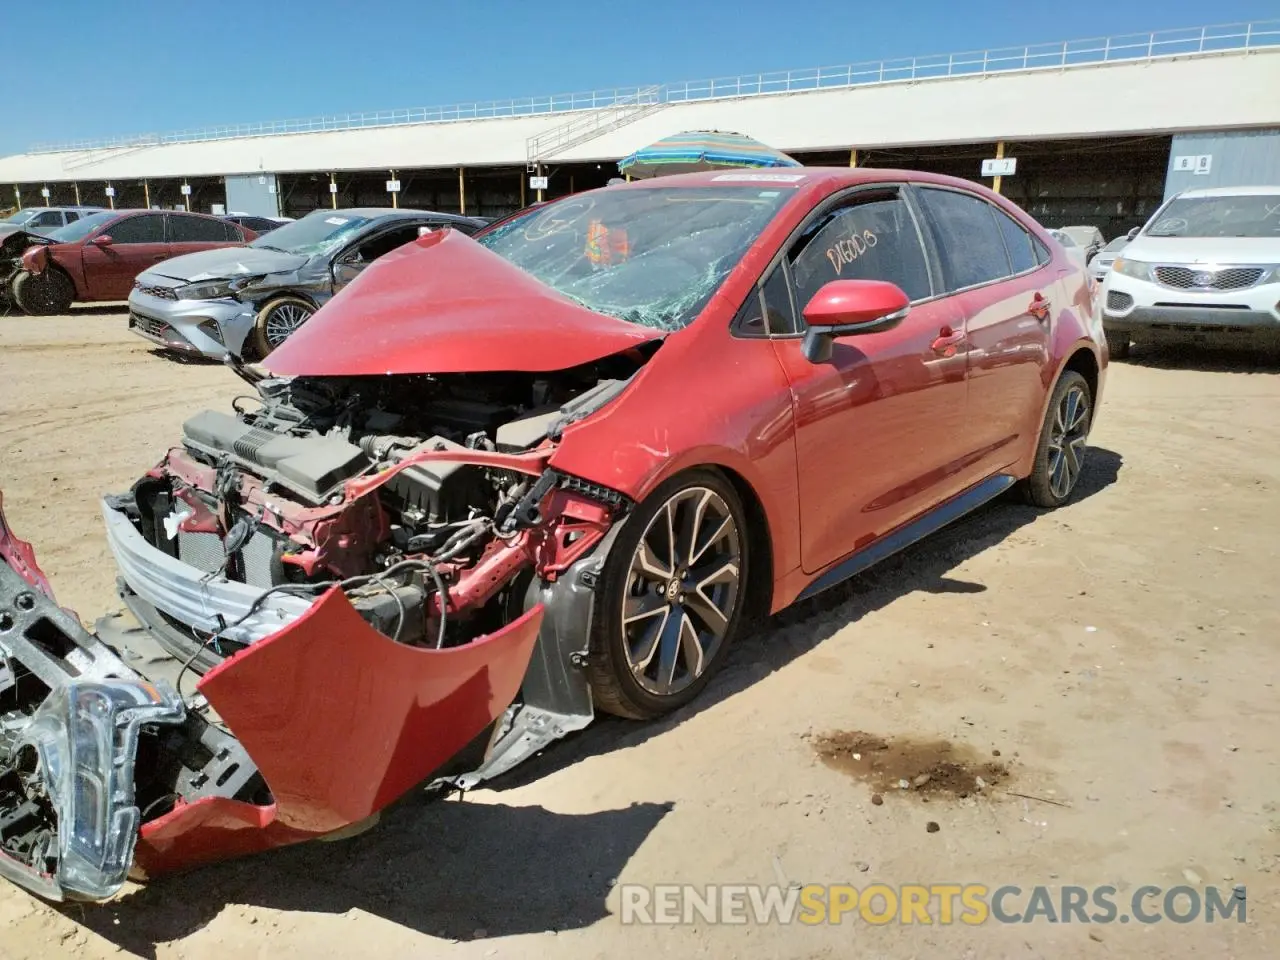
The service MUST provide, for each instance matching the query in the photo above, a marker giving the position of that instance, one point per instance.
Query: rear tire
(660, 634)
(1063, 443)
(43, 294)
(1118, 344)
(277, 321)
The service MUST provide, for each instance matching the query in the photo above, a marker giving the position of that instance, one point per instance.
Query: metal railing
(586, 125)
(1191, 41)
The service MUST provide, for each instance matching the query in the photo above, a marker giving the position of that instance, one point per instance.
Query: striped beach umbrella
(701, 150)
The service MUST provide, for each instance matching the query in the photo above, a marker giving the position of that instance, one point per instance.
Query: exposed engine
(381, 485)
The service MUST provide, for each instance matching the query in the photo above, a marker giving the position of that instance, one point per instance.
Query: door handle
(1039, 307)
(947, 341)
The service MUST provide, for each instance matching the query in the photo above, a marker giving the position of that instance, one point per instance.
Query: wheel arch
(760, 531)
(1084, 362)
(760, 572)
(56, 267)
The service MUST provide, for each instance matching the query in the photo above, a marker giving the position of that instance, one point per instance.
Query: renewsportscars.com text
(926, 904)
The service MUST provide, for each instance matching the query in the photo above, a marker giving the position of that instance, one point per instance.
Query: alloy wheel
(682, 590)
(1068, 439)
(284, 320)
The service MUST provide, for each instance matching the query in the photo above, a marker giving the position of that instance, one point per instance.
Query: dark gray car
(245, 301)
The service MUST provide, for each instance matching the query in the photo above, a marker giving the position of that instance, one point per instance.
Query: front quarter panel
(706, 398)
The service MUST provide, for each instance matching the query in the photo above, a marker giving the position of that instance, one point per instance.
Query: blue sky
(95, 68)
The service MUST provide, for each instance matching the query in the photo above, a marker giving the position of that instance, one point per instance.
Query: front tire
(1064, 438)
(277, 321)
(671, 598)
(43, 294)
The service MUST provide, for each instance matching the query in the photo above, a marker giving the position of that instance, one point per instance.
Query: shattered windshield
(1232, 216)
(79, 229)
(652, 256)
(316, 233)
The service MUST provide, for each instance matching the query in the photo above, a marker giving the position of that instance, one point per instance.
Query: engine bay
(397, 489)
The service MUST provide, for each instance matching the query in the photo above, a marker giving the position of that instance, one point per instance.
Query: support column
(462, 192)
(47, 194)
(76, 185)
(17, 195)
(995, 184)
(333, 191)
(186, 196)
(111, 200)
(395, 194)
(146, 194)
(524, 182)
(539, 173)
(853, 157)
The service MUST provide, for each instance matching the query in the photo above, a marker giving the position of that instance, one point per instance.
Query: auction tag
(336, 221)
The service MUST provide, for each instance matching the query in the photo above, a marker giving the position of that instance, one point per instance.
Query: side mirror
(102, 240)
(346, 270)
(1133, 233)
(845, 308)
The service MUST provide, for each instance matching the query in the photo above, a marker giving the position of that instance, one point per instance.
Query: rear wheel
(671, 598)
(43, 294)
(1118, 344)
(277, 321)
(1064, 440)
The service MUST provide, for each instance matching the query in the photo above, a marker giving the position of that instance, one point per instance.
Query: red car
(499, 483)
(97, 257)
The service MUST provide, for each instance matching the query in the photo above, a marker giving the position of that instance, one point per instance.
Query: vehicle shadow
(450, 869)
(174, 356)
(97, 309)
(803, 626)
(1209, 358)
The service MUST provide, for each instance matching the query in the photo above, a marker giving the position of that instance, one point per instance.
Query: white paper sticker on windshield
(759, 177)
(336, 221)
(768, 193)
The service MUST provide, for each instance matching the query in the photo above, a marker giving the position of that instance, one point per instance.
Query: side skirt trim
(906, 535)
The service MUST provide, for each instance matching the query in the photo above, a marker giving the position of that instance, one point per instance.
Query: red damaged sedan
(97, 257)
(500, 483)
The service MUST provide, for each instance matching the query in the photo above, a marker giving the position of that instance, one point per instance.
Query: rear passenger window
(873, 238)
(968, 238)
(1017, 242)
(196, 230)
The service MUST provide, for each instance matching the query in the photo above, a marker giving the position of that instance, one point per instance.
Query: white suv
(1205, 266)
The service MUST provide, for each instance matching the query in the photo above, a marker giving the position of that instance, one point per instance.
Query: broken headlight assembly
(214, 289)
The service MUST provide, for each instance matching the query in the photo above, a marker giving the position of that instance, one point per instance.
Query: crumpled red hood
(446, 304)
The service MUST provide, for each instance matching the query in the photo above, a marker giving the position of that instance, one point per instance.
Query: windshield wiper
(267, 246)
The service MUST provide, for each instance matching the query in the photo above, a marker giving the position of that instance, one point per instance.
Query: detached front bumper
(207, 328)
(327, 722)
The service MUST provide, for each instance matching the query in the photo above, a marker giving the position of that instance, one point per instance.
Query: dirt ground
(1120, 654)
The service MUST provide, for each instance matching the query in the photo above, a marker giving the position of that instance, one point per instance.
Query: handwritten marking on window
(849, 249)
